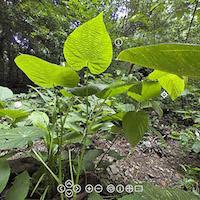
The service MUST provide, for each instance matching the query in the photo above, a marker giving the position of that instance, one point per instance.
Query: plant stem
(84, 134)
(107, 151)
(60, 136)
(46, 166)
(70, 166)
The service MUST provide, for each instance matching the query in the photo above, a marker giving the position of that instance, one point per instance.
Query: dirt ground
(161, 167)
(148, 162)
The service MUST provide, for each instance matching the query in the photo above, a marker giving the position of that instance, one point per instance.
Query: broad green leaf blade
(89, 158)
(180, 59)
(5, 93)
(156, 106)
(156, 75)
(39, 119)
(114, 89)
(4, 174)
(72, 138)
(94, 196)
(89, 46)
(2, 104)
(19, 137)
(196, 146)
(117, 117)
(135, 124)
(20, 187)
(150, 89)
(46, 74)
(151, 192)
(65, 93)
(115, 154)
(15, 115)
(85, 90)
(172, 83)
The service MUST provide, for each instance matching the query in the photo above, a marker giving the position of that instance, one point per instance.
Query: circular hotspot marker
(89, 188)
(68, 184)
(129, 188)
(110, 188)
(98, 188)
(61, 188)
(118, 42)
(69, 193)
(76, 188)
(120, 188)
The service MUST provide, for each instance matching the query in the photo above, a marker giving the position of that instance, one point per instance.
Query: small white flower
(17, 104)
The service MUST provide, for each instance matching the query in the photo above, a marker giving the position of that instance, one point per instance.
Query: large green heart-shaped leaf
(5, 93)
(46, 74)
(172, 83)
(135, 124)
(4, 174)
(149, 90)
(19, 137)
(181, 59)
(89, 46)
(20, 187)
(14, 114)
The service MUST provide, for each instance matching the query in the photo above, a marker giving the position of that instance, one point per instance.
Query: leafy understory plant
(80, 110)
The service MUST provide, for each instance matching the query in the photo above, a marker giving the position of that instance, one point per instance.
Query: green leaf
(117, 117)
(5, 93)
(2, 104)
(139, 17)
(89, 157)
(135, 124)
(4, 174)
(19, 137)
(46, 74)
(151, 192)
(89, 46)
(196, 146)
(155, 6)
(115, 154)
(85, 90)
(156, 106)
(15, 115)
(172, 83)
(72, 138)
(20, 187)
(192, 1)
(95, 196)
(39, 119)
(45, 193)
(198, 16)
(181, 59)
(149, 90)
(66, 93)
(114, 89)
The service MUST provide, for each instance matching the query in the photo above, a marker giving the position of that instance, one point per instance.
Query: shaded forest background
(40, 27)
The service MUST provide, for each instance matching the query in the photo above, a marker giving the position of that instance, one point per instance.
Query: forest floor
(153, 163)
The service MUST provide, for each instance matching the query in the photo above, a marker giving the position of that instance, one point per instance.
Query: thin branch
(191, 22)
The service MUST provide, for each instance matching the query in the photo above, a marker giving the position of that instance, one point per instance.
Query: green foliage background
(39, 27)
